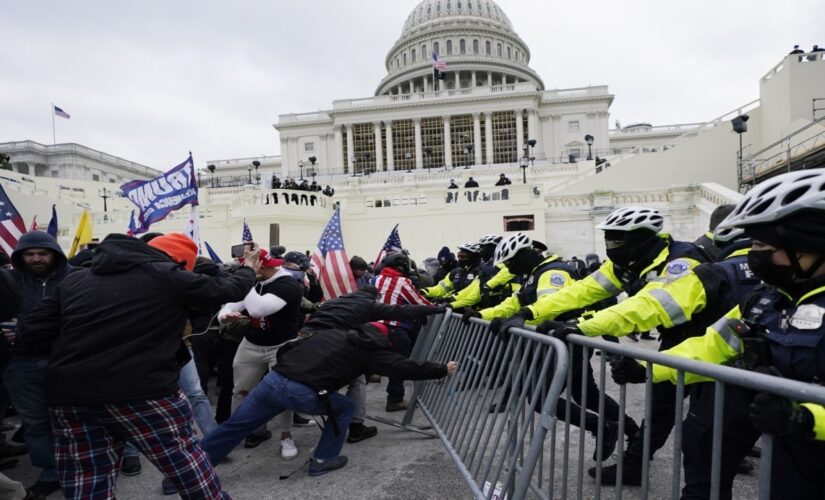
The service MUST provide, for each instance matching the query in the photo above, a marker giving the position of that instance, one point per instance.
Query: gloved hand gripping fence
(756, 352)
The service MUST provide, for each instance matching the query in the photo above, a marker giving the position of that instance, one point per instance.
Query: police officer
(469, 263)
(707, 242)
(699, 298)
(785, 218)
(493, 284)
(640, 257)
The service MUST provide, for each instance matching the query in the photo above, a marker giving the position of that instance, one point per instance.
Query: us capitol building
(391, 156)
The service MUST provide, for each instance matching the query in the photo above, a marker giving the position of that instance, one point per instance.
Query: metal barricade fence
(502, 396)
(542, 452)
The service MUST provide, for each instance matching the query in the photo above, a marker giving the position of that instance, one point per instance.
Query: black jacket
(9, 296)
(31, 288)
(352, 310)
(112, 333)
(333, 359)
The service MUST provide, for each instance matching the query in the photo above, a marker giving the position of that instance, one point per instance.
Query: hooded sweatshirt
(113, 332)
(32, 288)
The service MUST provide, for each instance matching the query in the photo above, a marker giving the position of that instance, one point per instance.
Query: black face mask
(523, 262)
(761, 263)
(621, 256)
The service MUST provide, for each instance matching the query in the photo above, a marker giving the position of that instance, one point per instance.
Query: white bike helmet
(490, 239)
(777, 198)
(726, 235)
(471, 247)
(632, 218)
(509, 246)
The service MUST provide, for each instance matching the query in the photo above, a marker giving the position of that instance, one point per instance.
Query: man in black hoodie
(309, 372)
(112, 334)
(39, 267)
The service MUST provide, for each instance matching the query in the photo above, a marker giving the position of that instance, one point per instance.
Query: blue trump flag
(212, 254)
(158, 197)
(52, 229)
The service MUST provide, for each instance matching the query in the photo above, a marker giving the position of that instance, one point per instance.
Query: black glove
(628, 371)
(777, 415)
(548, 327)
(501, 327)
(442, 300)
(469, 313)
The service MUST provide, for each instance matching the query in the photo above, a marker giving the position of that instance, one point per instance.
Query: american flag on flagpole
(34, 226)
(438, 65)
(12, 226)
(393, 244)
(60, 112)
(247, 234)
(330, 261)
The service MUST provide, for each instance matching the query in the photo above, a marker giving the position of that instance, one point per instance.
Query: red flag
(330, 261)
(34, 227)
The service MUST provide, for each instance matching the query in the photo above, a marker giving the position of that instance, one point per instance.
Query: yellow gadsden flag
(83, 235)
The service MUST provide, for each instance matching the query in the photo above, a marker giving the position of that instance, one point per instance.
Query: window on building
(475, 46)
(95, 177)
(498, 50)
(519, 223)
(404, 57)
(462, 46)
(423, 51)
(309, 146)
(509, 53)
(112, 181)
(449, 47)
(488, 48)
(397, 63)
(435, 47)
(412, 55)
(449, 5)
(458, 5)
(573, 126)
(438, 7)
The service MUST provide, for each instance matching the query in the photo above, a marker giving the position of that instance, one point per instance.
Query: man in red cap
(112, 334)
(273, 307)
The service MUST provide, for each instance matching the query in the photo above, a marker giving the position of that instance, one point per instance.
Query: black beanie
(801, 232)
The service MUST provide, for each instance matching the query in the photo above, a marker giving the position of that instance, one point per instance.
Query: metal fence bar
(675, 483)
(646, 424)
(620, 458)
(582, 418)
(600, 434)
(716, 453)
(765, 462)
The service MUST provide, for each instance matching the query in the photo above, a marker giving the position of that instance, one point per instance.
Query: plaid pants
(89, 445)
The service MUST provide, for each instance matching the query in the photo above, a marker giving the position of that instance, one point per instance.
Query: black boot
(631, 472)
(360, 432)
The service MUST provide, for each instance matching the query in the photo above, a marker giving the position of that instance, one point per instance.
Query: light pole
(468, 151)
(428, 152)
(301, 167)
(408, 157)
(367, 157)
(740, 126)
(256, 164)
(249, 172)
(589, 140)
(524, 161)
(212, 173)
(532, 144)
(105, 194)
(354, 162)
(311, 171)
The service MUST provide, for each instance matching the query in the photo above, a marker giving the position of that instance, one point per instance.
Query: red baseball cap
(268, 260)
(381, 327)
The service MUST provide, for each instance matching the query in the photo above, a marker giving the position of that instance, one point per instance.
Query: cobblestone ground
(396, 464)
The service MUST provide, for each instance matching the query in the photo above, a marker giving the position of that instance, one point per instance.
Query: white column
(412, 87)
(533, 132)
(379, 149)
(519, 130)
(426, 84)
(350, 151)
(457, 80)
(488, 135)
(448, 143)
(339, 152)
(323, 154)
(284, 157)
(476, 137)
(419, 159)
(489, 78)
(473, 79)
(390, 149)
(556, 132)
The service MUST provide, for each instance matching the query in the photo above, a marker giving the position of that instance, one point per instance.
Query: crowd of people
(303, 185)
(109, 355)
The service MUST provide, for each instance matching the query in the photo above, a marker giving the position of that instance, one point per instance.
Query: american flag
(393, 244)
(330, 261)
(34, 226)
(60, 112)
(247, 234)
(438, 65)
(12, 226)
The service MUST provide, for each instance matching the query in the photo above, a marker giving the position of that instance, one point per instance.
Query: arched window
(405, 58)
(462, 46)
(429, 9)
(475, 46)
(458, 5)
(412, 55)
(438, 7)
(509, 53)
(423, 51)
(488, 48)
(498, 49)
(449, 47)
(435, 47)
(397, 63)
(449, 5)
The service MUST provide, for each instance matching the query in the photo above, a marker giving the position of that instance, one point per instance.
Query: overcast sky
(151, 80)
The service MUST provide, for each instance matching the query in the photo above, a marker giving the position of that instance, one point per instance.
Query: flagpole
(54, 137)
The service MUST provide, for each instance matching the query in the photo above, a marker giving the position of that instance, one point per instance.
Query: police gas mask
(761, 264)
(487, 251)
(466, 258)
(626, 247)
(804, 233)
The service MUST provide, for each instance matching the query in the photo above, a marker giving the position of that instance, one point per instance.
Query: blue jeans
(274, 394)
(26, 382)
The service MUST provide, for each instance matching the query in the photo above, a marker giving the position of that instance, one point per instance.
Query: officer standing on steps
(697, 299)
(469, 262)
(640, 258)
(542, 278)
(493, 283)
(785, 218)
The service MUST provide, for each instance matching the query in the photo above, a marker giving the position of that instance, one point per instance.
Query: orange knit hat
(179, 247)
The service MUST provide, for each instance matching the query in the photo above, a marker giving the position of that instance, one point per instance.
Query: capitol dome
(476, 40)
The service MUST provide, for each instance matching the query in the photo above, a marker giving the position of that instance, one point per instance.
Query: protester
(360, 271)
(95, 333)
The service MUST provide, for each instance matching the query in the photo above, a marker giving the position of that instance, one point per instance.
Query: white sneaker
(288, 449)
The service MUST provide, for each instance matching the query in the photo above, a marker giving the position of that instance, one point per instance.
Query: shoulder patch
(677, 267)
(557, 279)
(808, 317)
